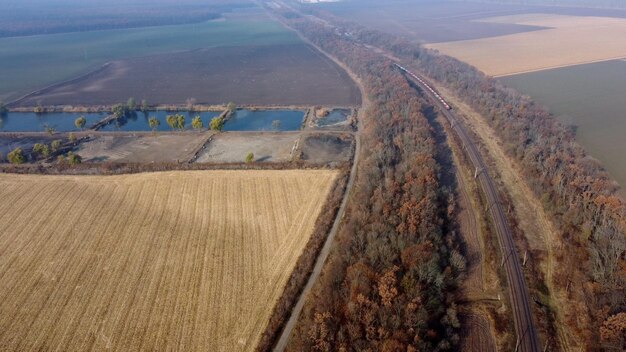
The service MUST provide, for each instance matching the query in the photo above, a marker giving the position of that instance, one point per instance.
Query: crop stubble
(568, 41)
(176, 260)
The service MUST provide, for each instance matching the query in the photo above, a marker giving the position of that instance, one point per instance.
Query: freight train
(445, 104)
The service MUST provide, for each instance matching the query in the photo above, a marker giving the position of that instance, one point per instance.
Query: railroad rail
(525, 331)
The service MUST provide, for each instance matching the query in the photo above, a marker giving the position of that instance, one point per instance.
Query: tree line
(574, 188)
(389, 283)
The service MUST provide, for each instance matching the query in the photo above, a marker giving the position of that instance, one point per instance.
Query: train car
(439, 97)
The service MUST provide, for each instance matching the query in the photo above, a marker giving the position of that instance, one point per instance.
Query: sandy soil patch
(232, 147)
(570, 40)
(189, 261)
(143, 148)
(325, 148)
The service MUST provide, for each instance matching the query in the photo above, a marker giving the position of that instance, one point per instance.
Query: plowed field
(158, 261)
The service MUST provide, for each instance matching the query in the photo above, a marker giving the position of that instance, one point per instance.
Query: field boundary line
(59, 84)
(618, 58)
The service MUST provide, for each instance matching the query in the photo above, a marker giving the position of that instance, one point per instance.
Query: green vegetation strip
(29, 63)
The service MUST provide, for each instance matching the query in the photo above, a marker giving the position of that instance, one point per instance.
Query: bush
(80, 122)
(16, 156)
(55, 145)
(41, 149)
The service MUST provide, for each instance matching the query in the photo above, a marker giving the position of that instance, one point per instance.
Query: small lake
(334, 117)
(139, 120)
(265, 120)
(33, 122)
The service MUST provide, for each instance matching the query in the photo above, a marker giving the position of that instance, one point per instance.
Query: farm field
(30, 63)
(21, 18)
(276, 74)
(591, 98)
(170, 261)
(446, 21)
(570, 40)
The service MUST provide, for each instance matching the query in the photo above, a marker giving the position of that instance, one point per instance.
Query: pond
(139, 120)
(33, 122)
(265, 120)
(336, 116)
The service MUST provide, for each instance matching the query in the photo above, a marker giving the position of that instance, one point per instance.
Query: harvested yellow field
(187, 260)
(569, 40)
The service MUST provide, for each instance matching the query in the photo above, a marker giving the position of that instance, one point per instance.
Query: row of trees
(42, 151)
(574, 188)
(576, 191)
(390, 279)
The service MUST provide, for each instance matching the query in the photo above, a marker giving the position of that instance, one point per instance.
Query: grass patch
(589, 97)
(28, 63)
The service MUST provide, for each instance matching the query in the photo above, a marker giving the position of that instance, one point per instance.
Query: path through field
(168, 261)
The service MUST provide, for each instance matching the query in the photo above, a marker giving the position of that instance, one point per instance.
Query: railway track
(525, 331)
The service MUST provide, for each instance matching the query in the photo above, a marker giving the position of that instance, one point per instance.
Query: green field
(29, 63)
(590, 97)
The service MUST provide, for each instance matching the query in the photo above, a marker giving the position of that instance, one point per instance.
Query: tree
(55, 145)
(120, 110)
(197, 123)
(3, 108)
(276, 124)
(39, 109)
(131, 104)
(73, 159)
(613, 330)
(49, 129)
(16, 156)
(172, 121)
(231, 106)
(154, 123)
(180, 121)
(41, 149)
(249, 158)
(71, 137)
(144, 105)
(217, 123)
(80, 122)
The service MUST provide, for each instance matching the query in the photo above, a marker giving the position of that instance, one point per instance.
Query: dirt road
(321, 259)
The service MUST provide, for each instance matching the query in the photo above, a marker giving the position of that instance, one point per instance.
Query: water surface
(33, 122)
(265, 120)
(139, 120)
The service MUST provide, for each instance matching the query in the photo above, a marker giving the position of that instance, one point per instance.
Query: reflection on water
(265, 120)
(140, 121)
(33, 122)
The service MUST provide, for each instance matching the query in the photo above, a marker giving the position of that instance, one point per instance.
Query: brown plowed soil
(255, 75)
